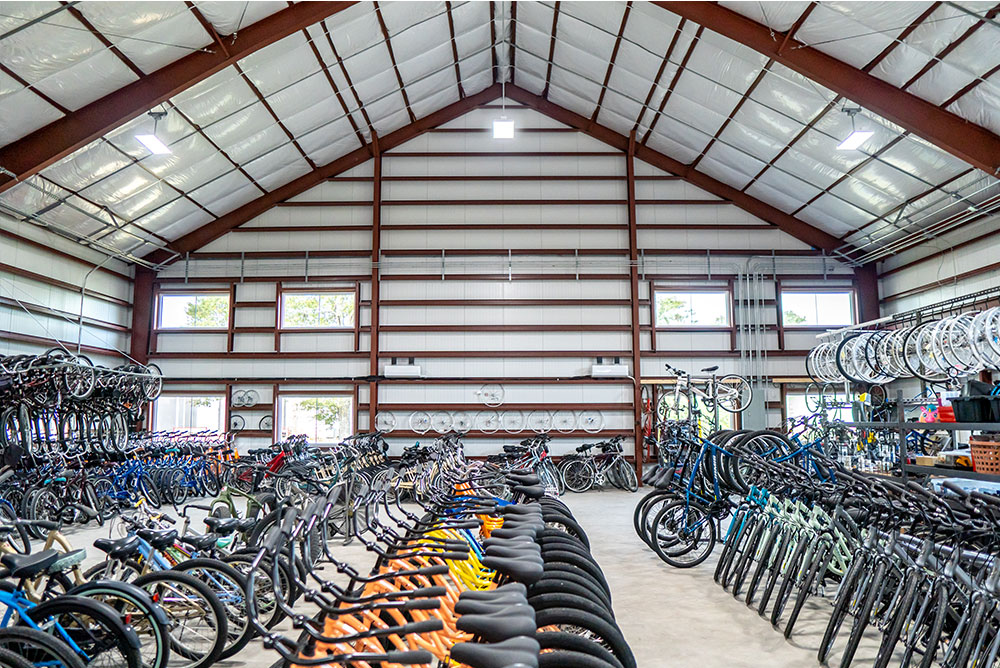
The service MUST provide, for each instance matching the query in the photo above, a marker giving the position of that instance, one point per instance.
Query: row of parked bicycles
(912, 567)
(484, 570)
(935, 351)
(58, 401)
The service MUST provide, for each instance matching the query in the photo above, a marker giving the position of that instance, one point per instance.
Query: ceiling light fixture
(152, 142)
(502, 127)
(857, 137)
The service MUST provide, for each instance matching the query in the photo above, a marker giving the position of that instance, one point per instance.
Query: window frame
(726, 290)
(816, 291)
(314, 394)
(158, 316)
(194, 394)
(280, 310)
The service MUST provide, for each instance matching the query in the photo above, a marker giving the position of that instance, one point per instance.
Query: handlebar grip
(950, 486)
(414, 657)
(985, 498)
(453, 556)
(918, 488)
(428, 570)
(427, 626)
(288, 522)
(168, 519)
(429, 592)
(422, 604)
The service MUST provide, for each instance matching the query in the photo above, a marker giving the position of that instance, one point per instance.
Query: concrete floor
(670, 617)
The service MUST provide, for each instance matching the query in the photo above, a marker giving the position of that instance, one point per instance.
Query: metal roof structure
(747, 100)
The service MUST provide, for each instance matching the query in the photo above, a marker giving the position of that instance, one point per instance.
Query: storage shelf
(255, 407)
(257, 433)
(501, 434)
(950, 473)
(928, 426)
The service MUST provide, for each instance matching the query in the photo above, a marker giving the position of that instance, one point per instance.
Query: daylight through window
(176, 413)
(811, 309)
(686, 309)
(323, 419)
(178, 311)
(323, 309)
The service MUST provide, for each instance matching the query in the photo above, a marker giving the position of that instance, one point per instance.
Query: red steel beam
(392, 59)
(373, 336)
(611, 62)
(633, 254)
(552, 49)
(968, 142)
(42, 148)
(215, 229)
(142, 314)
(797, 228)
(454, 51)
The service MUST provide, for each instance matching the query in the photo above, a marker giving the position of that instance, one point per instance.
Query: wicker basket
(985, 456)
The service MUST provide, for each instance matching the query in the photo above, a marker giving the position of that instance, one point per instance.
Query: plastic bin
(985, 456)
(994, 409)
(972, 409)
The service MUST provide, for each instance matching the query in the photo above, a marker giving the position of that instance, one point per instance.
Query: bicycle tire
(936, 627)
(158, 582)
(890, 638)
(863, 618)
(18, 540)
(564, 587)
(103, 637)
(9, 659)
(566, 525)
(589, 566)
(578, 476)
(566, 659)
(148, 490)
(228, 585)
(774, 541)
(839, 612)
(673, 557)
(562, 575)
(146, 617)
(610, 634)
(570, 642)
(739, 574)
(818, 563)
(791, 564)
(546, 601)
(39, 647)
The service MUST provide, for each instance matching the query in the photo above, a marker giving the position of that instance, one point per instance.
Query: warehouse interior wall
(41, 280)
(501, 261)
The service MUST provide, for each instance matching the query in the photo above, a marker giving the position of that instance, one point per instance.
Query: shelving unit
(903, 428)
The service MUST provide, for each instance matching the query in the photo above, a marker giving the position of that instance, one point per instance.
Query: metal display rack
(902, 427)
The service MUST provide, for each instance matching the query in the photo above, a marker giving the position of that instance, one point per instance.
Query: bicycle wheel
(145, 617)
(735, 393)
(626, 476)
(590, 626)
(228, 585)
(18, 539)
(148, 490)
(39, 648)
(578, 476)
(9, 659)
(199, 625)
(694, 529)
(98, 633)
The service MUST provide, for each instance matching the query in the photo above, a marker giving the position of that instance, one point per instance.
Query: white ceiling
(689, 93)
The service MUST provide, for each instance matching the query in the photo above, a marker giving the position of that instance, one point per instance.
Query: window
(322, 309)
(689, 309)
(323, 419)
(812, 309)
(205, 310)
(796, 406)
(172, 413)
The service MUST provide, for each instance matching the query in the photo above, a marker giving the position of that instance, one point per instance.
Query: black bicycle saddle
(521, 509)
(222, 525)
(30, 565)
(159, 539)
(711, 369)
(530, 491)
(489, 594)
(522, 537)
(530, 479)
(512, 532)
(119, 548)
(469, 607)
(513, 549)
(201, 543)
(498, 655)
(514, 621)
(528, 568)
